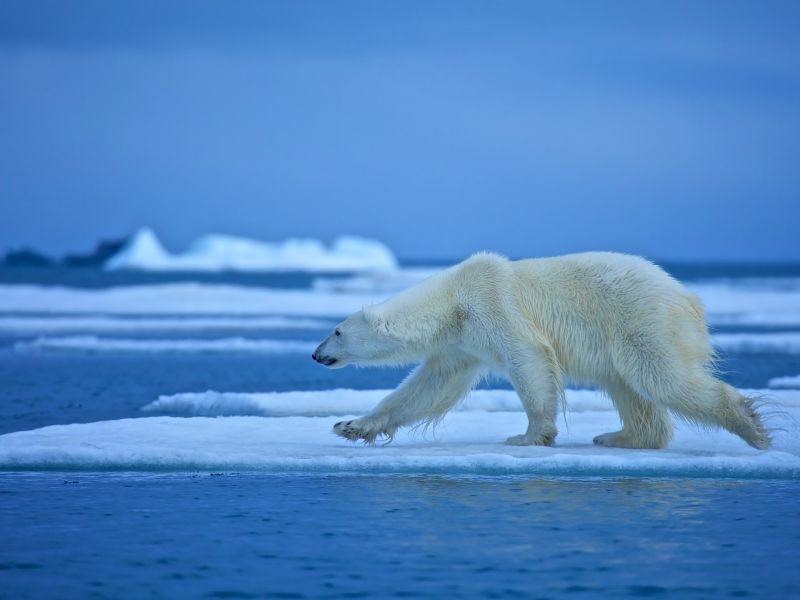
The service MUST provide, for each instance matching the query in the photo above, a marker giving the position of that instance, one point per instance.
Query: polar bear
(612, 320)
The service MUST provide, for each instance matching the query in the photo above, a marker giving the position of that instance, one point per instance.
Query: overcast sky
(668, 129)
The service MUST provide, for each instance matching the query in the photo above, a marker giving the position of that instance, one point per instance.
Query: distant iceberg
(144, 251)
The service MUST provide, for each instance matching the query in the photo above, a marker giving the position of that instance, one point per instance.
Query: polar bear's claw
(618, 439)
(346, 430)
(537, 439)
(613, 439)
(358, 429)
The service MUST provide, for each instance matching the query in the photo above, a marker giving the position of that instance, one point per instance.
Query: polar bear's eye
(337, 332)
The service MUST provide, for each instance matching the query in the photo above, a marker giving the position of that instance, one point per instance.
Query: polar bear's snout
(354, 342)
(323, 357)
(326, 361)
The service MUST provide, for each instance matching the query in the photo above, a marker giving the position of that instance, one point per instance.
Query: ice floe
(28, 325)
(750, 301)
(90, 344)
(786, 342)
(383, 282)
(180, 299)
(144, 251)
(785, 382)
(726, 304)
(341, 402)
(468, 441)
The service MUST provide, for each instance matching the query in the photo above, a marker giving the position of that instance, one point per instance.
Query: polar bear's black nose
(313, 357)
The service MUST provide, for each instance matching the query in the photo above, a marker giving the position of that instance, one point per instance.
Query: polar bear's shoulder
(601, 265)
(480, 271)
(484, 260)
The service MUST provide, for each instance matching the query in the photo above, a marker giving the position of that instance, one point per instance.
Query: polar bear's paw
(619, 439)
(539, 438)
(361, 429)
(614, 439)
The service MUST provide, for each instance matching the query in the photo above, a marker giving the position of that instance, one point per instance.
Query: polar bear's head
(366, 339)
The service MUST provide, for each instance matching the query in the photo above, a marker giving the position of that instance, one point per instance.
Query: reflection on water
(299, 536)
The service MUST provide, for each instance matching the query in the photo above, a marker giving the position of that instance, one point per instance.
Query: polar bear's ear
(375, 321)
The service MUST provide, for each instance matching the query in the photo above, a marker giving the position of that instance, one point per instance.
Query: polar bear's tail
(714, 403)
(740, 415)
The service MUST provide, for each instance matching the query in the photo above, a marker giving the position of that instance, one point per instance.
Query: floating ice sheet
(27, 325)
(180, 299)
(787, 342)
(384, 282)
(468, 441)
(785, 382)
(91, 344)
(750, 301)
(341, 402)
(726, 303)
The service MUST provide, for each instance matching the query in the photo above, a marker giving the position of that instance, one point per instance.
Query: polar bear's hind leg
(692, 393)
(538, 384)
(644, 425)
(712, 403)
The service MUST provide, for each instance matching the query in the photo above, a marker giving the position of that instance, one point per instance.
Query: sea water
(251, 535)
(170, 437)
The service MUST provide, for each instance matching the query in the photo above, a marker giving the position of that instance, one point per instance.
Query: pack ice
(726, 303)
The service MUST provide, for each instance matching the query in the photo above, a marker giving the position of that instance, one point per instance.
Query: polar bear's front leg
(427, 394)
(363, 429)
(537, 381)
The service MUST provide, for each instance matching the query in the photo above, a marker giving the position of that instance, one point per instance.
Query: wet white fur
(616, 321)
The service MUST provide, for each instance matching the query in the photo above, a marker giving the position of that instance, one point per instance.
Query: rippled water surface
(269, 536)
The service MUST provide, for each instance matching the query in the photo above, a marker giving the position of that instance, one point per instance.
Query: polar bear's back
(596, 267)
(610, 283)
(601, 304)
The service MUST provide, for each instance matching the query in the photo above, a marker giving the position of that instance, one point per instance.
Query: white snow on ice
(331, 403)
(91, 344)
(787, 342)
(750, 301)
(341, 402)
(180, 299)
(469, 441)
(785, 382)
(27, 325)
(223, 252)
(383, 282)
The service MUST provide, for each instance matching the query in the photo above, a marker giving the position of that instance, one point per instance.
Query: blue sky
(668, 129)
